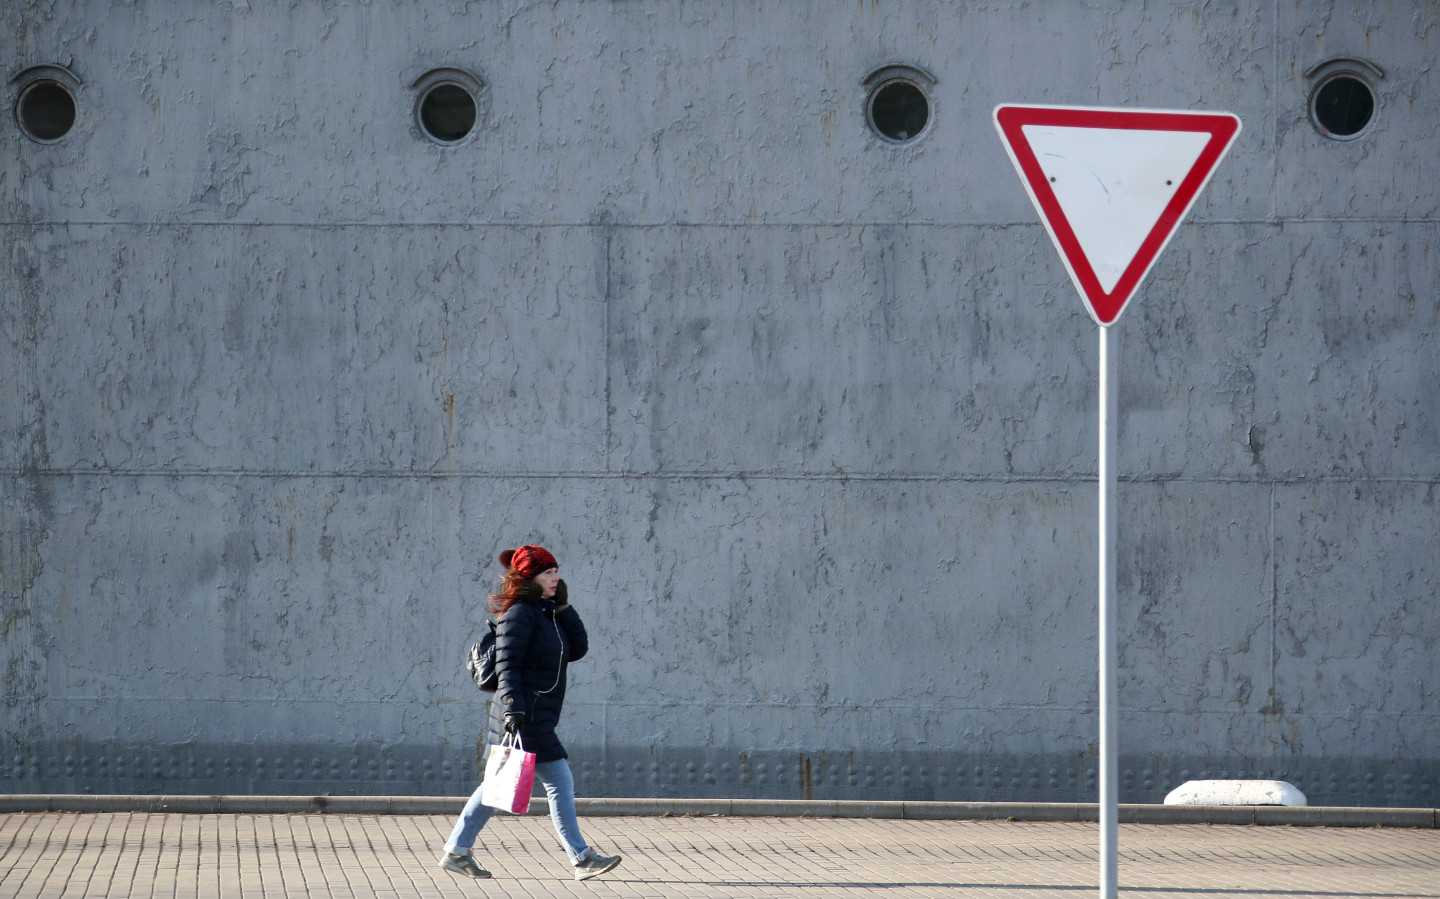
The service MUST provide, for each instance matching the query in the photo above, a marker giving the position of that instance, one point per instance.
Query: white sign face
(1113, 185)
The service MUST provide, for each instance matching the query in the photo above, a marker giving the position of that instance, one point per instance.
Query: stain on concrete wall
(807, 416)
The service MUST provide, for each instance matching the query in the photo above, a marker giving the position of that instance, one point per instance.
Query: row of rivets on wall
(275, 768)
(760, 774)
(796, 777)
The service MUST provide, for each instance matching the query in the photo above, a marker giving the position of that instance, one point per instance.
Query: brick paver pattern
(47, 855)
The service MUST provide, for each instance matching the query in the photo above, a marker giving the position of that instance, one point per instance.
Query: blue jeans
(559, 789)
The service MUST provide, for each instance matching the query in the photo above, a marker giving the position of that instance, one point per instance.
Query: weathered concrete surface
(807, 417)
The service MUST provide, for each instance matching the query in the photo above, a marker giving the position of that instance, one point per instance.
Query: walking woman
(537, 636)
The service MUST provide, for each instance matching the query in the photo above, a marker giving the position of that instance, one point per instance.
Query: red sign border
(1105, 307)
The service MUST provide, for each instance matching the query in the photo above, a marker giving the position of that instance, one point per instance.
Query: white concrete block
(1235, 792)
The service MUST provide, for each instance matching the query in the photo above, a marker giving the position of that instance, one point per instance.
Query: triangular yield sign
(1112, 185)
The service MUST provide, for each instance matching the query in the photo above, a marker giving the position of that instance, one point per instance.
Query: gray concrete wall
(807, 417)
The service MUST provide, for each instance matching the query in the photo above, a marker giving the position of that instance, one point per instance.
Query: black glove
(514, 722)
(562, 594)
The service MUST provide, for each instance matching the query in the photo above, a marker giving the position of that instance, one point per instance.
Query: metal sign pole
(1109, 421)
(1111, 186)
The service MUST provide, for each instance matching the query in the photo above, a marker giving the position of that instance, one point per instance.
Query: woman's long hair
(512, 584)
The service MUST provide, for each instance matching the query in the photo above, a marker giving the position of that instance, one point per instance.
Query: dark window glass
(46, 111)
(1343, 106)
(447, 112)
(899, 110)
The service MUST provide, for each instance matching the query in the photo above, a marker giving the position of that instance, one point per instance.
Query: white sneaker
(462, 864)
(595, 865)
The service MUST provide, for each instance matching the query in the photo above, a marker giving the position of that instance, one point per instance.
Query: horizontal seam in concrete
(843, 224)
(1312, 816)
(469, 695)
(1079, 477)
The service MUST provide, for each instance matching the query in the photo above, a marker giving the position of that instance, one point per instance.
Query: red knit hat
(529, 560)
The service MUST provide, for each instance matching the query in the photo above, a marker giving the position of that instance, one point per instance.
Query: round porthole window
(45, 111)
(898, 106)
(447, 113)
(899, 111)
(447, 105)
(1343, 102)
(1342, 106)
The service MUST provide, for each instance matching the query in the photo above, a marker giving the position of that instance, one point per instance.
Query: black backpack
(480, 662)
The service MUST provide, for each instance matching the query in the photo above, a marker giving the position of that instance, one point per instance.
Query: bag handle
(512, 741)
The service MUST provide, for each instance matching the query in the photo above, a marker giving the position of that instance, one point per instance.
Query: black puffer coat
(535, 642)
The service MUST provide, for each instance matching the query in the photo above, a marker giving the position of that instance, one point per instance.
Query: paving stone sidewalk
(263, 856)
